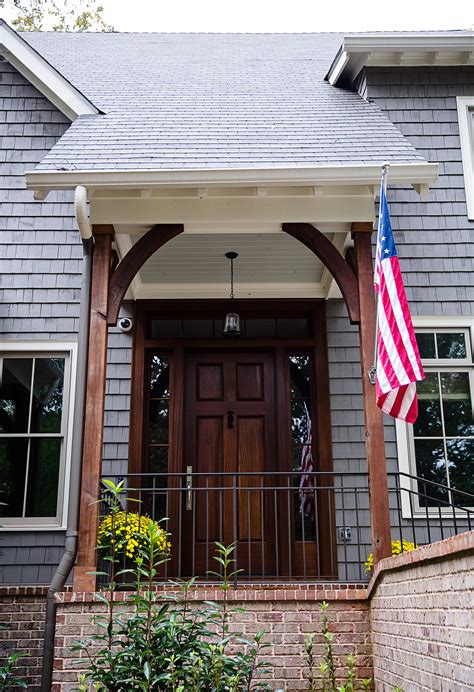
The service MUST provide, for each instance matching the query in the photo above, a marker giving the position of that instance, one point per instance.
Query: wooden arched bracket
(133, 261)
(341, 270)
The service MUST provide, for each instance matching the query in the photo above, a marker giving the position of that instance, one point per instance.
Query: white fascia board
(376, 50)
(364, 174)
(54, 87)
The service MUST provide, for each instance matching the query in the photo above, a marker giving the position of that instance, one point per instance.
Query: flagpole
(372, 374)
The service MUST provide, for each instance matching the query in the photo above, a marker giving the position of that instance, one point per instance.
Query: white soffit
(38, 71)
(193, 265)
(387, 50)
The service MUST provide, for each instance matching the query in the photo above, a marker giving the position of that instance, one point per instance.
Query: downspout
(70, 549)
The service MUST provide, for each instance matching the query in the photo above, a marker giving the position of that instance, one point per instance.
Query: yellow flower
(127, 532)
(396, 550)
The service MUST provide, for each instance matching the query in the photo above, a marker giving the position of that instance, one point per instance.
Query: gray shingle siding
(434, 237)
(40, 268)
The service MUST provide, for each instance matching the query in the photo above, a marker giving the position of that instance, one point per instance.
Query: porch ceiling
(270, 264)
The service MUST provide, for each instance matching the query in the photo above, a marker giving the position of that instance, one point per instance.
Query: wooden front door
(229, 430)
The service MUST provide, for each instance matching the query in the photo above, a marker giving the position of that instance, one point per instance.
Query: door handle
(189, 488)
(230, 420)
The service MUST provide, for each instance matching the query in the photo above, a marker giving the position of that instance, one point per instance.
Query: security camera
(125, 325)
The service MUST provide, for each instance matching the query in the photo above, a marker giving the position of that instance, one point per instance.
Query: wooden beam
(133, 261)
(322, 247)
(374, 433)
(94, 415)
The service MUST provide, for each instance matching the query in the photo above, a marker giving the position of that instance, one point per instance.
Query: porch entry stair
(274, 519)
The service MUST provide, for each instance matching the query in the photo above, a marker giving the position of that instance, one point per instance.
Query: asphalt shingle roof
(174, 101)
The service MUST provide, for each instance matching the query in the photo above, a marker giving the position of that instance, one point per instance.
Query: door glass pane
(452, 345)
(457, 404)
(47, 395)
(13, 454)
(431, 465)
(156, 499)
(159, 377)
(299, 422)
(304, 504)
(43, 476)
(461, 468)
(158, 422)
(426, 344)
(15, 395)
(428, 423)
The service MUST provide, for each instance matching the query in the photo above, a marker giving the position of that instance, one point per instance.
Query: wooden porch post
(374, 433)
(94, 410)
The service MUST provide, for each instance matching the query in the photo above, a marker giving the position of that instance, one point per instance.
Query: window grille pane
(431, 465)
(47, 395)
(293, 328)
(15, 395)
(457, 405)
(159, 378)
(260, 328)
(43, 476)
(200, 329)
(428, 423)
(300, 377)
(426, 344)
(165, 328)
(461, 467)
(452, 345)
(13, 456)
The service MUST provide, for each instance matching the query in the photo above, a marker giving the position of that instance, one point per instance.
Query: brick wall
(22, 610)
(422, 618)
(286, 614)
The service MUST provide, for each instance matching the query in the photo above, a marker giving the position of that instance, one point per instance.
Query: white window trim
(405, 441)
(69, 349)
(465, 104)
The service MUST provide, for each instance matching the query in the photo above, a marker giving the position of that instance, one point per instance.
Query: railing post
(235, 514)
(94, 411)
(374, 433)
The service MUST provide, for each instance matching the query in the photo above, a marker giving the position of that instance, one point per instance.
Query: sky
(286, 15)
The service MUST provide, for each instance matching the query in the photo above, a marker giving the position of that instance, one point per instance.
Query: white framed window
(37, 381)
(465, 106)
(439, 447)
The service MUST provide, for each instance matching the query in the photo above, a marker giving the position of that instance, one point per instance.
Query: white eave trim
(395, 50)
(420, 175)
(54, 87)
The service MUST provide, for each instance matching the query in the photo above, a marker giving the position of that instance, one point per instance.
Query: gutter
(417, 173)
(70, 549)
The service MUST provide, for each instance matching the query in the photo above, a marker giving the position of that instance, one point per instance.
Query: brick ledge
(440, 550)
(250, 592)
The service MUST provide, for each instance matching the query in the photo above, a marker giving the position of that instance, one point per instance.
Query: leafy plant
(159, 641)
(8, 673)
(327, 668)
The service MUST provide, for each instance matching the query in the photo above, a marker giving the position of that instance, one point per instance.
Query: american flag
(306, 468)
(398, 359)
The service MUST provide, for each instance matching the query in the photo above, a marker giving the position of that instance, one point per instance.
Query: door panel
(229, 429)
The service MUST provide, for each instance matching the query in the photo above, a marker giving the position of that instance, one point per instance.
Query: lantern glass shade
(232, 324)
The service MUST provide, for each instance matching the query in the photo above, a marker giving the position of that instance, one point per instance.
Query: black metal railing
(286, 527)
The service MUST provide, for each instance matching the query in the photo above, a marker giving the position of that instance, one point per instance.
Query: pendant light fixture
(232, 320)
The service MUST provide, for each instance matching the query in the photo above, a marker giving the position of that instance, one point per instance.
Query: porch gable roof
(213, 101)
